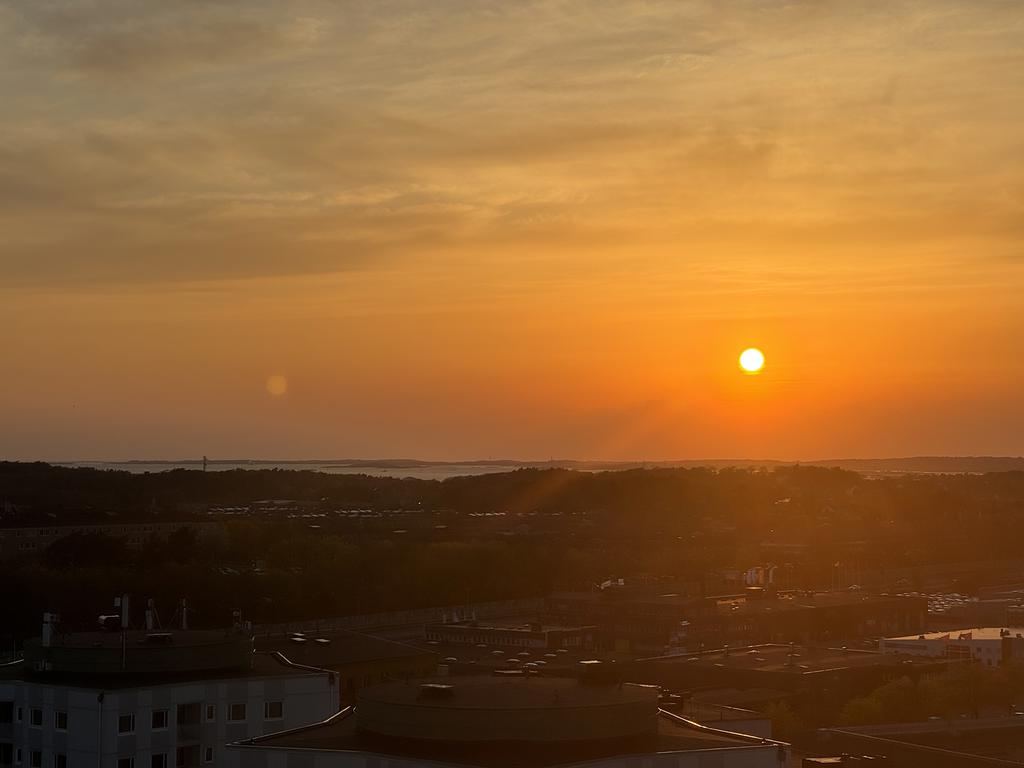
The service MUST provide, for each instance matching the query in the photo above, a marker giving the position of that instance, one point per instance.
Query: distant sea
(439, 470)
(423, 471)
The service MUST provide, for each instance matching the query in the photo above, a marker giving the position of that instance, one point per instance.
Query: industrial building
(534, 636)
(991, 646)
(357, 659)
(512, 721)
(809, 617)
(642, 621)
(809, 676)
(973, 743)
(635, 619)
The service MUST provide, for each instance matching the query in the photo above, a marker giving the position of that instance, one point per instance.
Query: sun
(752, 360)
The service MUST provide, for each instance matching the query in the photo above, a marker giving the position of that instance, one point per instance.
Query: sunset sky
(455, 230)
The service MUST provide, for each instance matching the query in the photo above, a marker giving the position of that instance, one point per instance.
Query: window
(35, 718)
(208, 755)
(273, 710)
(158, 761)
(35, 759)
(126, 762)
(6, 753)
(211, 712)
(6, 712)
(236, 713)
(21, 715)
(126, 724)
(188, 714)
(60, 760)
(187, 756)
(159, 719)
(60, 720)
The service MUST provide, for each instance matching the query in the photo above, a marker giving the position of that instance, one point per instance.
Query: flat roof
(262, 665)
(502, 693)
(629, 595)
(977, 633)
(512, 627)
(139, 637)
(996, 739)
(339, 734)
(494, 656)
(795, 601)
(778, 658)
(341, 648)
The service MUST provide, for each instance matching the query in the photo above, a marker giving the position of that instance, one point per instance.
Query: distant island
(901, 465)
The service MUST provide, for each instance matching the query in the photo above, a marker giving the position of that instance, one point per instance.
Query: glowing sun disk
(752, 360)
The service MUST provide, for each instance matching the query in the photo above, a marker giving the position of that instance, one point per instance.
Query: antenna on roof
(123, 603)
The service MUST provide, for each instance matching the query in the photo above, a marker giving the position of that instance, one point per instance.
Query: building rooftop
(259, 665)
(797, 601)
(342, 733)
(338, 648)
(192, 638)
(524, 627)
(643, 594)
(138, 652)
(973, 741)
(795, 659)
(976, 633)
(505, 693)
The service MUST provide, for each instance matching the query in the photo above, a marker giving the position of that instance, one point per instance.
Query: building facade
(100, 700)
(990, 646)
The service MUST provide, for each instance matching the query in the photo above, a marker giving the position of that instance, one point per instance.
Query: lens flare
(277, 385)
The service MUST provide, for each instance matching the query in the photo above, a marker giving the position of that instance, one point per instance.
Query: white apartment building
(157, 700)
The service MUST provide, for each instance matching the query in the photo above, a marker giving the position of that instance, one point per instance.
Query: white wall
(306, 698)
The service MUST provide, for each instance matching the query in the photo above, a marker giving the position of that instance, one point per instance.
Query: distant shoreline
(441, 469)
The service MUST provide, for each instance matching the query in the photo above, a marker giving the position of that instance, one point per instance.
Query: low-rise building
(510, 722)
(358, 659)
(520, 636)
(640, 619)
(809, 617)
(972, 743)
(991, 646)
(811, 677)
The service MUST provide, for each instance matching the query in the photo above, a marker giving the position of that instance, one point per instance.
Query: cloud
(123, 40)
(198, 140)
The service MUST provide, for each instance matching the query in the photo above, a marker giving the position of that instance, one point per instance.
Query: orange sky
(511, 229)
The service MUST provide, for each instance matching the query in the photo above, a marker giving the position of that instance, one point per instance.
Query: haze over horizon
(528, 229)
(993, 463)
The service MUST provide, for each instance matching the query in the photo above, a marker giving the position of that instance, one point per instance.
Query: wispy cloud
(170, 141)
